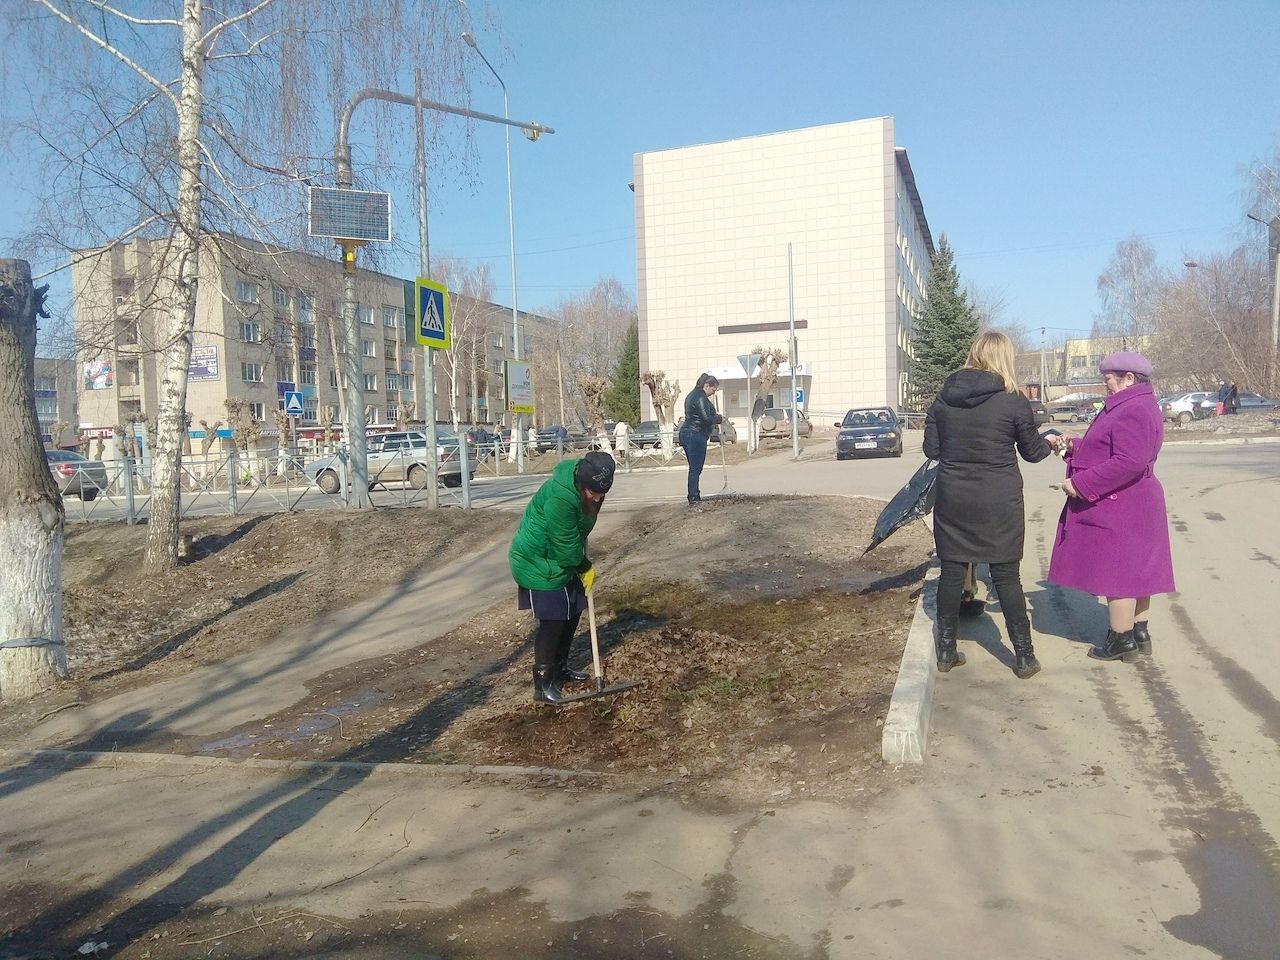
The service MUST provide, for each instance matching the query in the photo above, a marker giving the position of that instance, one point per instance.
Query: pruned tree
(593, 390)
(771, 360)
(56, 431)
(196, 118)
(404, 414)
(32, 651)
(664, 396)
(210, 435)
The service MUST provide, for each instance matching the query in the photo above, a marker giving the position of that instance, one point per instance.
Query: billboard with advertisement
(203, 364)
(99, 374)
(517, 376)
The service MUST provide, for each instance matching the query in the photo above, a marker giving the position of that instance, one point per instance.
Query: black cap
(595, 472)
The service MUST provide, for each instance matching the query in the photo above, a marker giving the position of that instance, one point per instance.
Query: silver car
(397, 457)
(77, 475)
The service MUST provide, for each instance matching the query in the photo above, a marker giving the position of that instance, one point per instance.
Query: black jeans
(695, 449)
(1008, 584)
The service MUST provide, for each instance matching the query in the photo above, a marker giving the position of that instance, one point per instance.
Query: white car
(397, 457)
(1189, 406)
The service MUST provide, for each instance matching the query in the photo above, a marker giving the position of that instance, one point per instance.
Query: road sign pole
(424, 269)
(791, 362)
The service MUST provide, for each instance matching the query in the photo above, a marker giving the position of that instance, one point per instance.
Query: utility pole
(1044, 390)
(791, 361)
(424, 268)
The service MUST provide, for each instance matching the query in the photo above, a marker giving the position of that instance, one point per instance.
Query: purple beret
(1126, 361)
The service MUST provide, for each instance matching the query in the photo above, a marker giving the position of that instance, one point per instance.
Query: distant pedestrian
(548, 559)
(1113, 535)
(976, 429)
(1224, 391)
(1233, 399)
(532, 442)
(695, 431)
(621, 440)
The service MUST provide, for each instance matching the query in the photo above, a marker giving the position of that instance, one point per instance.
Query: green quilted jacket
(551, 543)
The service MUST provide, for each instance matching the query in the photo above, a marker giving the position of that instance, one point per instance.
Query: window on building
(393, 412)
(368, 348)
(306, 305)
(280, 298)
(309, 374)
(389, 350)
(281, 332)
(393, 380)
(307, 337)
(333, 411)
(258, 410)
(246, 292)
(309, 410)
(251, 372)
(47, 408)
(46, 383)
(130, 373)
(371, 381)
(497, 341)
(1079, 361)
(284, 371)
(391, 317)
(364, 314)
(250, 331)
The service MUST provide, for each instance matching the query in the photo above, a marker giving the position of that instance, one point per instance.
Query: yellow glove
(588, 578)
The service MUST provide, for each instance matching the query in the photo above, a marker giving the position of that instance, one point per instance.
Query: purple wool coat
(1113, 540)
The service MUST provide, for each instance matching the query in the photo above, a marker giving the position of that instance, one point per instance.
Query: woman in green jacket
(549, 562)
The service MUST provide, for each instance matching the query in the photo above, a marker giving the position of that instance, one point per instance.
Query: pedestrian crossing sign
(432, 328)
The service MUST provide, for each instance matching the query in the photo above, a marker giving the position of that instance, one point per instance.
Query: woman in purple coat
(1113, 535)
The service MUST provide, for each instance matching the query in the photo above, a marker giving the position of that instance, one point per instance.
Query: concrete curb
(1219, 441)
(906, 726)
(115, 759)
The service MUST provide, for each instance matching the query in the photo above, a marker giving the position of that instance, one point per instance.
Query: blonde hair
(993, 352)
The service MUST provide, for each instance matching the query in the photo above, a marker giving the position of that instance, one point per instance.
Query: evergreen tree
(622, 402)
(946, 330)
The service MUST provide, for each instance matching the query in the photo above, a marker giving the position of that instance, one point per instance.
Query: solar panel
(349, 214)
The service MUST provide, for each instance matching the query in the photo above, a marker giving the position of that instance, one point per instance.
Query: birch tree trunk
(175, 354)
(32, 655)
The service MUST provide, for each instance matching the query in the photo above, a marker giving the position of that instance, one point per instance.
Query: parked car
(776, 422)
(646, 434)
(1074, 411)
(559, 437)
(727, 430)
(868, 431)
(1041, 414)
(1190, 406)
(397, 457)
(76, 475)
(1255, 401)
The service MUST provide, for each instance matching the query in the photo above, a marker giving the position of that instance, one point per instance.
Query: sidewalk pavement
(1044, 824)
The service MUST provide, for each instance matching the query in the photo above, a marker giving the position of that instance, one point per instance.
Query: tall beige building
(268, 321)
(712, 227)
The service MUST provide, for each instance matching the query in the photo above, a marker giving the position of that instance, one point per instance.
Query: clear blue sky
(1040, 133)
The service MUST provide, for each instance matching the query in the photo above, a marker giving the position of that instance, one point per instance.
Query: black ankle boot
(564, 674)
(948, 655)
(1142, 638)
(1025, 663)
(546, 688)
(1118, 646)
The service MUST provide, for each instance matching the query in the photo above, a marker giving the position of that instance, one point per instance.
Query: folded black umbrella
(910, 503)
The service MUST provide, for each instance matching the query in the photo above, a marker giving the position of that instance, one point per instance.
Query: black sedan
(870, 431)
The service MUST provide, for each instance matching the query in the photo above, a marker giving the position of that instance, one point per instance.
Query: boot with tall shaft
(546, 684)
(948, 655)
(1025, 664)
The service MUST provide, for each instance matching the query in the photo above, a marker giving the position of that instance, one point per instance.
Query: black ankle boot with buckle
(1025, 663)
(1142, 638)
(948, 655)
(1117, 646)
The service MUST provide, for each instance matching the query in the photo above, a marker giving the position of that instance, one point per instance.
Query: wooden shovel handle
(595, 640)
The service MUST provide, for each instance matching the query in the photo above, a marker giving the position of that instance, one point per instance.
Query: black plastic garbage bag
(912, 502)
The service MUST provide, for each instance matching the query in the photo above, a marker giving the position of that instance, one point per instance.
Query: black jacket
(972, 430)
(699, 414)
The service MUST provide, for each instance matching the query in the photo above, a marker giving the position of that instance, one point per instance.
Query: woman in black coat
(972, 430)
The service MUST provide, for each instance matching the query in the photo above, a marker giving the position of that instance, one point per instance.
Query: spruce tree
(946, 330)
(622, 402)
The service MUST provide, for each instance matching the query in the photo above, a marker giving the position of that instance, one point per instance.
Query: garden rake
(601, 690)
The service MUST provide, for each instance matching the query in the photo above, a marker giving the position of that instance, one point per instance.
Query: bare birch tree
(470, 288)
(32, 655)
(192, 118)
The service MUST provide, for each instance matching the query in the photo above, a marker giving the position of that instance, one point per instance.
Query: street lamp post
(511, 232)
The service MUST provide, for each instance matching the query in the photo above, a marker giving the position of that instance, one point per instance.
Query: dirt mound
(768, 649)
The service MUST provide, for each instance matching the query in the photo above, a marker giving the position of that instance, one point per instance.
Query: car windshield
(868, 418)
(647, 425)
(61, 456)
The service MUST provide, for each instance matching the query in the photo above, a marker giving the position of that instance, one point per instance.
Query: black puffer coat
(972, 430)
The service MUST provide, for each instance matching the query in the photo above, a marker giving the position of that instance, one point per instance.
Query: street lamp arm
(343, 150)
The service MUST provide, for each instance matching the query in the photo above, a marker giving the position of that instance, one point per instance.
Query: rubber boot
(1142, 638)
(1118, 646)
(564, 674)
(1025, 664)
(546, 686)
(948, 655)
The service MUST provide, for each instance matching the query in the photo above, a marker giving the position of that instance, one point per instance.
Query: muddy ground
(767, 646)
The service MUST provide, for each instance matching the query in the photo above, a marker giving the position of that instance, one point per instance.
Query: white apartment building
(712, 226)
(267, 321)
